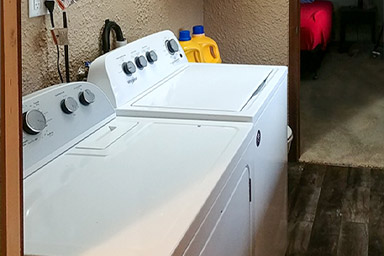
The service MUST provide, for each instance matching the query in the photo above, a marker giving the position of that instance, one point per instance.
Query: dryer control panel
(126, 72)
(58, 117)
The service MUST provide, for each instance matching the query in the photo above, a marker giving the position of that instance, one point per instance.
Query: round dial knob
(141, 62)
(69, 105)
(151, 56)
(87, 97)
(34, 122)
(172, 46)
(129, 68)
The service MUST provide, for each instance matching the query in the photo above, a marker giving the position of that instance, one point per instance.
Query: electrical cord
(58, 63)
(50, 4)
(66, 50)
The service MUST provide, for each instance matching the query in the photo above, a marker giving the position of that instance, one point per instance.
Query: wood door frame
(294, 77)
(11, 200)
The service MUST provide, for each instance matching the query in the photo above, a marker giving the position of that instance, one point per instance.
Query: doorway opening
(341, 92)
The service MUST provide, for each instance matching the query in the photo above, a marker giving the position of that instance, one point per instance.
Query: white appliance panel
(138, 197)
(237, 237)
(250, 112)
(270, 178)
(235, 220)
(173, 88)
(62, 130)
(208, 87)
(107, 70)
(196, 94)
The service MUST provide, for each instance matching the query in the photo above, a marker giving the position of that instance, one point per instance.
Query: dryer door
(231, 235)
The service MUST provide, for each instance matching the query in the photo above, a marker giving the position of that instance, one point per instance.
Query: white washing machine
(151, 77)
(97, 184)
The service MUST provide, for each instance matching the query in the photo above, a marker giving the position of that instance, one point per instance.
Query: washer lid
(137, 198)
(208, 87)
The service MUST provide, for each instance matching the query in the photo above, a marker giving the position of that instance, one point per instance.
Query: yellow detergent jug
(209, 48)
(192, 49)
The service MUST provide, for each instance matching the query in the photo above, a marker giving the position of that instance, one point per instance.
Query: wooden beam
(294, 77)
(11, 202)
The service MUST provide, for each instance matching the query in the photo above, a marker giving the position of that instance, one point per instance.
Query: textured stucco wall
(137, 18)
(249, 31)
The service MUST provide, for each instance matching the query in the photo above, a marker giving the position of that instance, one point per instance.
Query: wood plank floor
(335, 211)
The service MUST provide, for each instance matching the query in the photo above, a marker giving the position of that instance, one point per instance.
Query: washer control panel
(126, 72)
(34, 121)
(58, 117)
(172, 45)
(69, 105)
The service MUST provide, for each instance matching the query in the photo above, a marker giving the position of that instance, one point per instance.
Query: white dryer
(97, 184)
(151, 77)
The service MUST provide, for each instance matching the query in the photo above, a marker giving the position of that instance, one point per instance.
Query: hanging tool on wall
(50, 4)
(60, 35)
(64, 4)
(120, 40)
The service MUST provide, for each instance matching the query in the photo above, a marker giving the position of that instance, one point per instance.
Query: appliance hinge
(250, 189)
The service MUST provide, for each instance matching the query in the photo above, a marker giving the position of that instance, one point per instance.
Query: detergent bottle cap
(185, 35)
(198, 30)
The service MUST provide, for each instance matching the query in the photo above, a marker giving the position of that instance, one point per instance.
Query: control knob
(69, 105)
(141, 62)
(34, 122)
(151, 56)
(172, 46)
(129, 68)
(87, 97)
